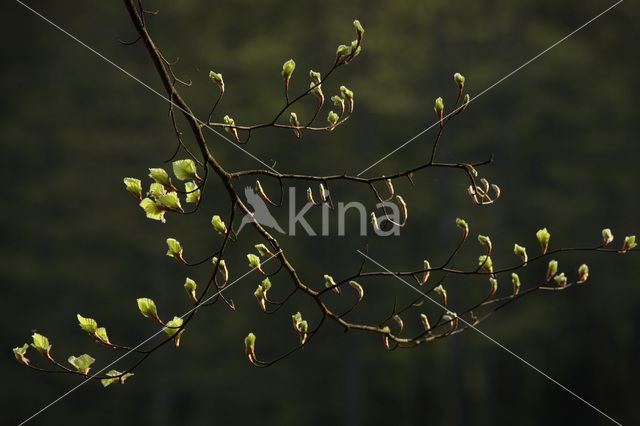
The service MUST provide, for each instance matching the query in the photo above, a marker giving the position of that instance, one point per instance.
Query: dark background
(562, 131)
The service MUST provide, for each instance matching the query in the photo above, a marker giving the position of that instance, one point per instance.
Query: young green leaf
(173, 326)
(134, 186)
(81, 363)
(185, 169)
(175, 249)
(250, 347)
(161, 176)
(101, 334)
(153, 210)
(218, 225)
(42, 345)
(170, 201)
(148, 309)
(87, 324)
(190, 286)
(543, 237)
(156, 190)
(330, 283)
(263, 250)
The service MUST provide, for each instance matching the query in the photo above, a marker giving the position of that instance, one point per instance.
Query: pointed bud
(494, 286)
(543, 238)
(515, 280)
(389, 186)
(403, 208)
(359, 289)
(330, 283)
(520, 251)
(465, 102)
(629, 243)
(293, 121)
(359, 29)
(443, 293)
(399, 321)
(459, 79)
(374, 221)
(496, 190)
(552, 268)
(427, 272)
(324, 193)
(425, 323)
(385, 337)
(462, 224)
(134, 186)
(607, 236)
(287, 69)
(439, 109)
(348, 95)
(339, 102)
(310, 197)
(452, 319)
(583, 273)
(222, 267)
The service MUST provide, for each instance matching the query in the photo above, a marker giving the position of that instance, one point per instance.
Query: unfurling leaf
(175, 249)
(287, 69)
(330, 283)
(148, 309)
(250, 347)
(561, 280)
(552, 268)
(173, 326)
(193, 193)
(156, 190)
(462, 224)
(263, 250)
(543, 237)
(81, 363)
(486, 263)
(515, 279)
(42, 345)
(494, 286)
(520, 251)
(607, 236)
(101, 334)
(185, 169)
(170, 201)
(443, 293)
(583, 273)
(629, 243)
(218, 225)
(190, 286)
(134, 186)
(485, 241)
(20, 352)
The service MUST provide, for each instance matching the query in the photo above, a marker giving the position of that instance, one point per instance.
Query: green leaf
(170, 201)
(87, 324)
(293, 119)
(101, 334)
(115, 374)
(190, 285)
(156, 190)
(81, 363)
(358, 27)
(338, 101)
(560, 279)
(629, 243)
(250, 342)
(134, 186)
(41, 344)
(607, 236)
(543, 237)
(193, 193)
(175, 250)
(266, 284)
(552, 268)
(254, 261)
(459, 79)
(315, 76)
(153, 210)
(185, 169)
(343, 50)
(161, 176)
(173, 326)
(148, 308)
(218, 225)
(328, 281)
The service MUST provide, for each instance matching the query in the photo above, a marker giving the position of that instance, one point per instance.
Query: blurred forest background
(566, 157)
